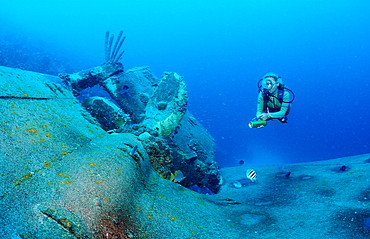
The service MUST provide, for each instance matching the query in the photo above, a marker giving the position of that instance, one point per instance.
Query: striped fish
(251, 175)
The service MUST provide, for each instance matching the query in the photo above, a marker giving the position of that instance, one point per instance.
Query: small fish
(133, 150)
(342, 168)
(176, 177)
(231, 201)
(251, 175)
(112, 131)
(241, 162)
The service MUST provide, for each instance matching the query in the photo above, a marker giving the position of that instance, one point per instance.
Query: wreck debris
(89, 78)
(132, 90)
(145, 104)
(172, 92)
(94, 76)
(109, 116)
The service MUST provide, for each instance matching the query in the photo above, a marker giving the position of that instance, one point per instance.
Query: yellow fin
(172, 177)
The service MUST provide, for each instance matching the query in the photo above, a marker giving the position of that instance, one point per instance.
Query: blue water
(321, 49)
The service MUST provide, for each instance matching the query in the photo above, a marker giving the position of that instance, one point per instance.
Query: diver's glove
(264, 116)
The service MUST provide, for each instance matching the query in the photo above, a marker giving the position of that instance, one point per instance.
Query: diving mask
(268, 83)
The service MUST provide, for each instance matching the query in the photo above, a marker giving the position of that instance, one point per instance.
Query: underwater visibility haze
(321, 49)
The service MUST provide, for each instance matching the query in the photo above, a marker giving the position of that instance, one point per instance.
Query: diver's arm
(259, 105)
(284, 107)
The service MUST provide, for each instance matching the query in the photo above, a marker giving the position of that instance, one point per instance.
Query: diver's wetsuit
(276, 109)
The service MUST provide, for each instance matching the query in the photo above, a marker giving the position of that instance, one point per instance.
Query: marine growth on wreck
(90, 167)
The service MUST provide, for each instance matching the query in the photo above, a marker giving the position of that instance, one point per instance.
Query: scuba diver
(274, 101)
